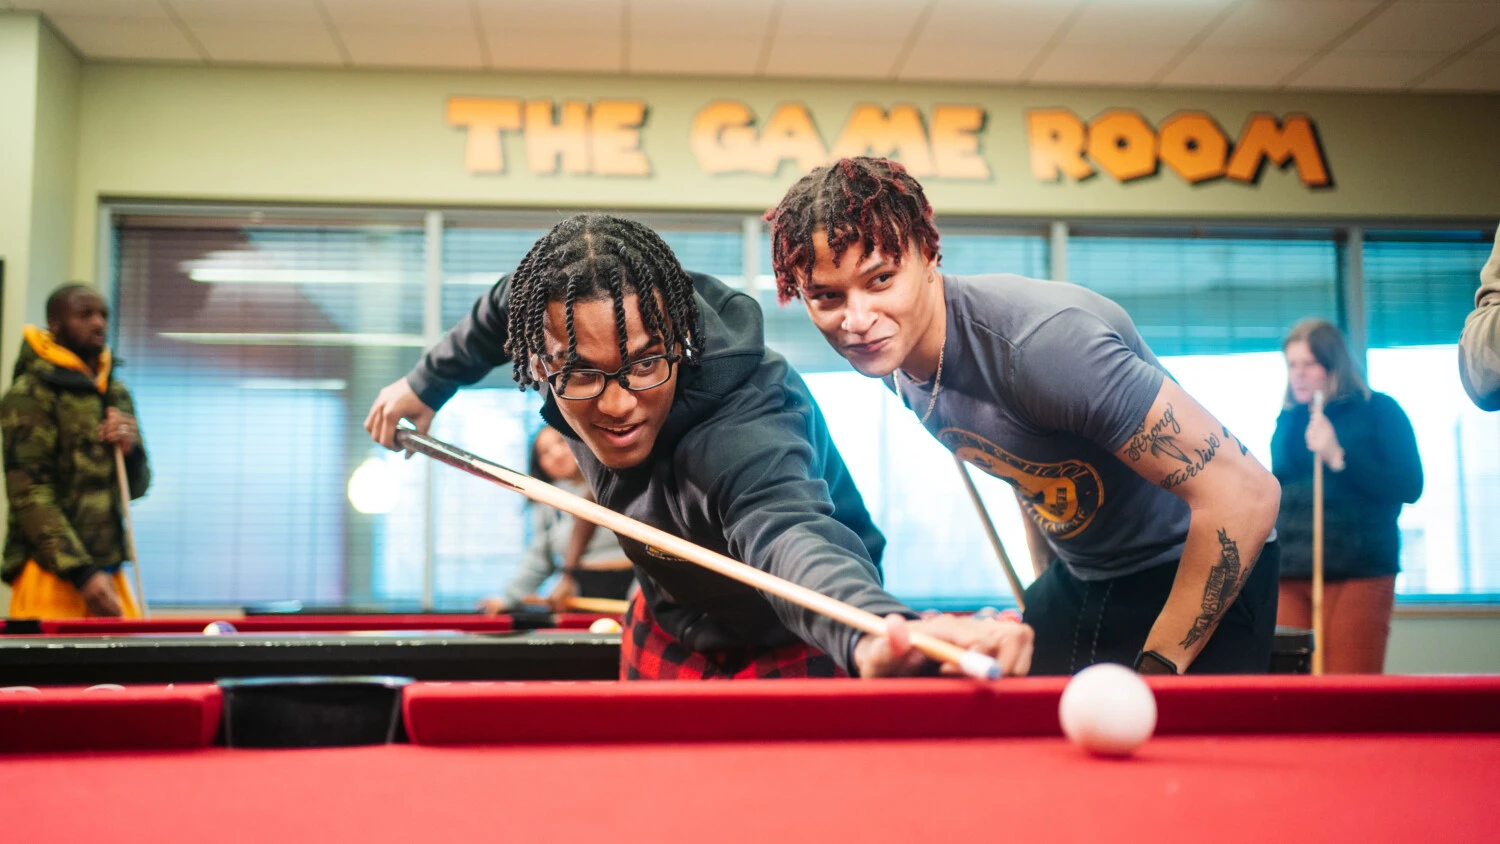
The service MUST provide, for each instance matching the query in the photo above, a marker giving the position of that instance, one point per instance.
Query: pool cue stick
(1317, 550)
(989, 529)
(972, 663)
(135, 560)
(607, 606)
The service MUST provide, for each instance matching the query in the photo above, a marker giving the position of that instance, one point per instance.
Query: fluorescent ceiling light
(413, 341)
(332, 385)
(263, 275)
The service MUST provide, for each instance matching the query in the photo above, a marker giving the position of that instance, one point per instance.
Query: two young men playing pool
(1158, 517)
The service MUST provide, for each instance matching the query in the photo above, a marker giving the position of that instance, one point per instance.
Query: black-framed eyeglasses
(636, 376)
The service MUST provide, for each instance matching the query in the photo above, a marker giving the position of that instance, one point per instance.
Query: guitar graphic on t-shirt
(1061, 498)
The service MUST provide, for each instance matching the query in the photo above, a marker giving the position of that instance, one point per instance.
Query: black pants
(1079, 623)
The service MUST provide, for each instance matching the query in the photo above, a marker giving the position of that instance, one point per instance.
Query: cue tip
(979, 666)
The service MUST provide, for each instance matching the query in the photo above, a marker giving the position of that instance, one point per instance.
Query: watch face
(1151, 662)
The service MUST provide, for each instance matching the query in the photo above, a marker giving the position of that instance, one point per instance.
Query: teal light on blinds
(1210, 295)
(1420, 285)
(253, 354)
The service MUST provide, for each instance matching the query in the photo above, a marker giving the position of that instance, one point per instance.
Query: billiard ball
(605, 625)
(219, 628)
(1108, 710)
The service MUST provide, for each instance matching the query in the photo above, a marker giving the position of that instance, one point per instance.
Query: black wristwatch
(1151, 662)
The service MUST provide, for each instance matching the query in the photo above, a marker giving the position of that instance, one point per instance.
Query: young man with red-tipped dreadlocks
(1150, 525)
(680, 417)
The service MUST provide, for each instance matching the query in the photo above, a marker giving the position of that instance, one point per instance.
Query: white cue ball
(605, 625)
(1108, 710)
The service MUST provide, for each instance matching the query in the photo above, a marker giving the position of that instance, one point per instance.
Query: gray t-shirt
(1042, 382)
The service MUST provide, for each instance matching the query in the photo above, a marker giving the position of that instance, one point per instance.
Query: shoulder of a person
(1385, 404)
(28, 387)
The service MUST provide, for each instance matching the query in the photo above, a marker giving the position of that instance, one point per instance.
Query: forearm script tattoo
(1223, 585)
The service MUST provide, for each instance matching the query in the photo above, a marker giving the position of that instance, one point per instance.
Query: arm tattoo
(1229, 436)
(1205, 456)
(1223, 585)
(1158, 441)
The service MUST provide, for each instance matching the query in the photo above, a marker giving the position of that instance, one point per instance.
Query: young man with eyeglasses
(681, 418)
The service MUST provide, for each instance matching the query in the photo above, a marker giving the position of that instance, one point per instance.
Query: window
(254, 342)
(251, 349)
(1420, 287)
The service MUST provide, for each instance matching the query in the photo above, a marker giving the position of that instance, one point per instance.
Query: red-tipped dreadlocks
(873, 201)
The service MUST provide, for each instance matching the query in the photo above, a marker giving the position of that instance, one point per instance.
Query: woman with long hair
(600, 570)
(1373, 468)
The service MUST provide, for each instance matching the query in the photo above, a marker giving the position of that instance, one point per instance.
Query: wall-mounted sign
(726, 139)
(601, 138)
(604, 138)
(1123, 144)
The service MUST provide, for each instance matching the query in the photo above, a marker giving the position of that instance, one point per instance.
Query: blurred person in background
(591, 561)
(1372, 468)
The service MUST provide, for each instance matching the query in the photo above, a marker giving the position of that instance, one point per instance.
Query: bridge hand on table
(1008, 642)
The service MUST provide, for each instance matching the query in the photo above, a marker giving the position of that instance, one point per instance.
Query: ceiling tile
(553, 15)
(705, 54)
(244, 42)
(1491, 46)
(260, 11)
(1425, 27)
(739, 19)
(1215, 68)
(580, 52)
(432, 14)
(967, 61)
(411, 46)
(1102, 66)
(1354, 69)
(1288, 24)
(1125, 24)
(840, 20)
(854, 58)
(1474, 72)
(116, 38)
(151, 9)
(998, 21)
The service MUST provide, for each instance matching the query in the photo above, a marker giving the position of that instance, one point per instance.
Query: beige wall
(363, 137)
(39, 86)
(1444, 645)
(19, 37)
(39, 83)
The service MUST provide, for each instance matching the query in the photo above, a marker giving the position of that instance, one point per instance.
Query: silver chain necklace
(937, 387)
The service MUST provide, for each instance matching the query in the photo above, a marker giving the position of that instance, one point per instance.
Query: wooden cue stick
(1317, 550)
(608, 606)
(974, 664)
(989, 529)
(135, 560)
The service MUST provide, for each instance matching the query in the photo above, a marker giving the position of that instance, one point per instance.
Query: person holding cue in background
(62, 419)
(1158, 515)
(682, 419)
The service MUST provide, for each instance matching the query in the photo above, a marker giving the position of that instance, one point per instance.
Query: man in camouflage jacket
(61, 420)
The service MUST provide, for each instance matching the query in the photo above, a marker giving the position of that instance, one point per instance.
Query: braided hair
(873, 201)
(596, 256)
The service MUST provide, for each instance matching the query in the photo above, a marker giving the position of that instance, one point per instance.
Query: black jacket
(1382, 471)
(744, 466)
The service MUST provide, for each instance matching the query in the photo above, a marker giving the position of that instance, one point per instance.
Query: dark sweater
(744, 466)
(1360, 504)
